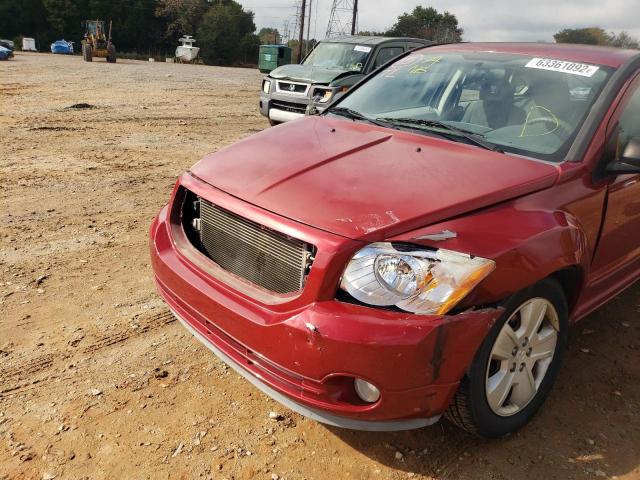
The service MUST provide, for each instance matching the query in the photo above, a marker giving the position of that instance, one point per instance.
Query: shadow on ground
(588, 428)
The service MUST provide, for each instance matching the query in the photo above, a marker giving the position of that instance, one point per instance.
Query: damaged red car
(421, 247)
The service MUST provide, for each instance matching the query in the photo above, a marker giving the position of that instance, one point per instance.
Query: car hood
(366, 182)
(309, 74)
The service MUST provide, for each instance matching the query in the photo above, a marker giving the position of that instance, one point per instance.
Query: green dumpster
(272, 56)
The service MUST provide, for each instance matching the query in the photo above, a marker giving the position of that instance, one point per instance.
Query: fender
(527, 240)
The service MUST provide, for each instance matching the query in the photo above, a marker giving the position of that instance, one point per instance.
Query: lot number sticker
(360, 48)
(563, 66)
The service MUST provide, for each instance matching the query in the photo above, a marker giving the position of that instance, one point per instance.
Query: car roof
(371, 40)
(607, 56)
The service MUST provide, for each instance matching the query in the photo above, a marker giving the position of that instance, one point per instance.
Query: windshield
(339, 56)
(525, 105)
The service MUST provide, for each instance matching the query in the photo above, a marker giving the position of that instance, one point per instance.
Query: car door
(618, 253)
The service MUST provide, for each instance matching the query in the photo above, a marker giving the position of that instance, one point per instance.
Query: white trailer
(28, 44)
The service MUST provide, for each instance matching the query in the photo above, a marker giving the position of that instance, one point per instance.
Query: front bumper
(307, 356)
(322, 416)
(280, 107)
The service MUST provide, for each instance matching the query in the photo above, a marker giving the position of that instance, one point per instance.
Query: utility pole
(354, 21)
(306, 47)
(301, 37)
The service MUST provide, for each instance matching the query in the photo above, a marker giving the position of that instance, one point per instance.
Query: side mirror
(629, 161)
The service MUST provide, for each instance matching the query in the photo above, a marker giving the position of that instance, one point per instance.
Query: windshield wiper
(353, 115)
(474, 138)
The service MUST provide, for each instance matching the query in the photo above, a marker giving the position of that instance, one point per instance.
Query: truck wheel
(516, 365)
(273, 123)
(111, 53)
(87, 53)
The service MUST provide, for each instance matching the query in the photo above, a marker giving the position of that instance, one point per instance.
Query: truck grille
(292, 87)
(266, 258)
(289, 106)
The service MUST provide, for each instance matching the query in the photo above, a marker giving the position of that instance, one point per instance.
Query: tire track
(12, 377)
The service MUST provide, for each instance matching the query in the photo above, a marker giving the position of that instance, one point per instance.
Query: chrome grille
(293, 87)
(253, 252)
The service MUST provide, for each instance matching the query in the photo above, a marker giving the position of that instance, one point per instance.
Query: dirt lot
(98, 381)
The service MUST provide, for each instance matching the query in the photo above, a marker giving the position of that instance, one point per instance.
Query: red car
(422, 247)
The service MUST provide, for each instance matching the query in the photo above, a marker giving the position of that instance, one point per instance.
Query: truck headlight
(416, 280)
(266, 86)
(324, 96)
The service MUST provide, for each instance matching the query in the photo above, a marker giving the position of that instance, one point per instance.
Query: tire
(87, 53)
(111, 53)
(506, 409)
(273, 123)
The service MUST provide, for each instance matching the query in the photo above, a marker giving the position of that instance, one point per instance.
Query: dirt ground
(98, 381)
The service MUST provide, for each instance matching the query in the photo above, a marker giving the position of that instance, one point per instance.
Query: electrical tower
(294, 23)
(343, 19)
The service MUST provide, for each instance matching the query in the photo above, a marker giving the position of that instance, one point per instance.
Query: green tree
(269, 36)
(429, 24)
(623, 40)
(135, 26)
(589, 36)
(221, 34)
(65, 18)
(181, 17)
(248, 49)
(26, 18)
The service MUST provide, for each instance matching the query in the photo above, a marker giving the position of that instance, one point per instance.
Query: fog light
(366, 391)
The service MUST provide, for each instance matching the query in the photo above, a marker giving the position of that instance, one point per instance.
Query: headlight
(324, 96)
(266, 86)
(415, 280)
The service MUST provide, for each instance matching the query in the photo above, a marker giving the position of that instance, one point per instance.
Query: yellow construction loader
(96, 43)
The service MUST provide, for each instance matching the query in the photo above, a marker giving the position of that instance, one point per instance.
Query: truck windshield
(519, 104)
(339, 56)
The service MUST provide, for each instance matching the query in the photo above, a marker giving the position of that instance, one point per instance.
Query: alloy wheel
(521, 355)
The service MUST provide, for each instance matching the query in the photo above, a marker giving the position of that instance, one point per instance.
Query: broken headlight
(415, 280)
(324, 95)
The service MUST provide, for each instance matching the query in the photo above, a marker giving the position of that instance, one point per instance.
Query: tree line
(596, 36)
(224, 30)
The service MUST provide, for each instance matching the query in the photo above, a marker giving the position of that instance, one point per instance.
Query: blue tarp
(4, 53)
(62, 46)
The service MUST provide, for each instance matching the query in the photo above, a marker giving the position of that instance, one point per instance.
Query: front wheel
(111, 53)
(87, 53)
(515, 368)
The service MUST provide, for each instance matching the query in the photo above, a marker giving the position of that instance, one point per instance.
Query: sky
(482, 20)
